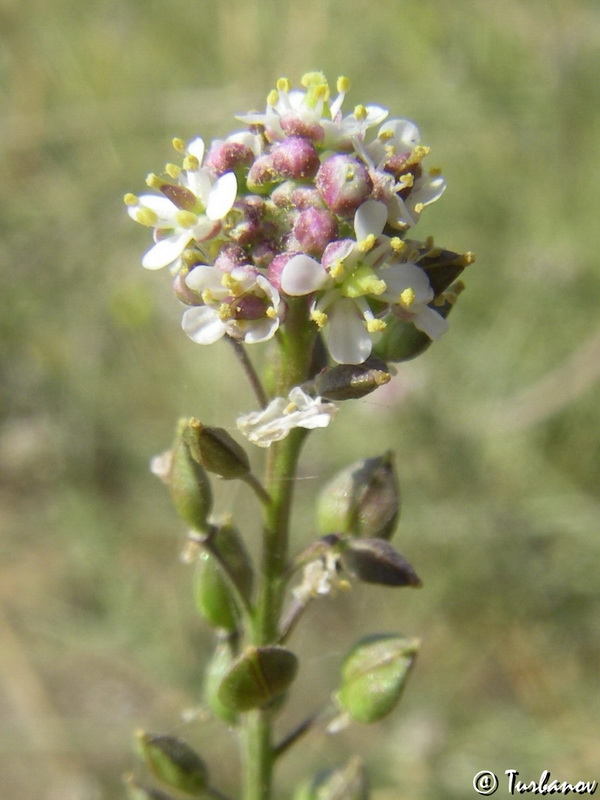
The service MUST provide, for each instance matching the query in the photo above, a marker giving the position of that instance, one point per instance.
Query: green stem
(296, 344)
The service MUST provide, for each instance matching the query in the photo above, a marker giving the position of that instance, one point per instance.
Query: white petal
(196, 148)
(303, 275)
(429, 191)
(404, 133)
(199, 182)
(261, 330)
(430, 322)
(201, 278)
(203, 325)
(348, 340)
(399, 277)
(370, 217)
(375, 115)
(166, 251)
(222, 196)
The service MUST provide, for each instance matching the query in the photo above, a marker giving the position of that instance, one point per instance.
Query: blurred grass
(496, 428)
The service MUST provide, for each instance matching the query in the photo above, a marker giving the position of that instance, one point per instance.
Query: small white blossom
(320, 577)
(242, 304)
(282, 415)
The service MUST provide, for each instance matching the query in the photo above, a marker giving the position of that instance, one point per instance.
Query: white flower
(205, 202)
(274, 422)
(409, 293)
(240, 303)
(347, 277)
(313, 111)
(320, 577)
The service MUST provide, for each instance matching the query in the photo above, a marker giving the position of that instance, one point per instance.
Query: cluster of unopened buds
(307, 202)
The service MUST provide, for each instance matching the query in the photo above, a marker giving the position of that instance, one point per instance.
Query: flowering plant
(296, 231)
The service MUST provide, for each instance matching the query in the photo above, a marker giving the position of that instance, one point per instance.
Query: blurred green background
(496, 427)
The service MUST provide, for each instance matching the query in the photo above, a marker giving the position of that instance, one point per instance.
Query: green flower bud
(351, 381)
(259, 676)
(217, 451)
(138, 791)
(362, 500)
(219, 665)
(376, 561)
(374, 674)
(189, 486)
(349, 782)
(173, 762)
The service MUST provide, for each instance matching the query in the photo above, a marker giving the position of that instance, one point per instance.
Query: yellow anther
(225, 312)
(385, 136)
(407, 297)
(191, 163)
(467, 258)
(407, 181)
(173, 171)
(290, 408)
(435, 172)
(337, 270)
(186, 219)
(271, 313)
(179, 145)
(131, 199)
(272, 98)
(419, 207)
(208, 297)
(320, 318)
(397, 245)
(283, 85)
(367, 243)
(376, 325)
(418, 154)
(145, 216)
(343, 84)
(360, 112)
(313, 79)
(153, 181)
(230, 283)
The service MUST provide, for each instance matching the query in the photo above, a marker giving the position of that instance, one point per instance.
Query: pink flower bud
(314, 229)
(228, 156)
(276, 268)
(296, 158)
(293, 125)
(344, 184)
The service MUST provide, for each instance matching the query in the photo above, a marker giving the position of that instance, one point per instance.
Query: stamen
(131, 199)
(172, 170)
(376, 325)
(320, 318)
(367, 243)
(187, 219)
(343, 84)
(191, 163)
(179, 145)
(225, 312)
(360, 112)
(407, 297)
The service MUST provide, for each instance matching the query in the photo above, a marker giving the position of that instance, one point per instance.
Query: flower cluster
(308, 202)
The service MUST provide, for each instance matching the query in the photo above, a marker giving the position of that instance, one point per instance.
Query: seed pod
(173, 762)
(259, 676)
(376, 561)
(214, 596)
(351, 381)
(362, 500)
(138, 791)
(218, 667)
(349, 782)
(216, 450)
(374, 674)
(189, 486)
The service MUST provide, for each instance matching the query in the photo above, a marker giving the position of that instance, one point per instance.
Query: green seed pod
(138, 791)
(376, 561)
(214, 596)
(173, 762)
(401, 341)
(362, 500)
(351, 381)
(349, 782)
(229, 546)
(217, 451)
(259, 676)
(189, 486)
(374, 674)
(218, 667)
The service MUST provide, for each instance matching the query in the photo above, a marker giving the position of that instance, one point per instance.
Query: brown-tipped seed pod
(173, 762)
(374, 674)
(349, 782)
(189, 486)
(362, 500)
(376, 561)
(351, 381)
(216, 450)
(258, 677)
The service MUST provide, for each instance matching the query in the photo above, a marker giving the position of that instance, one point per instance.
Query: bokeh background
(496, 428)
